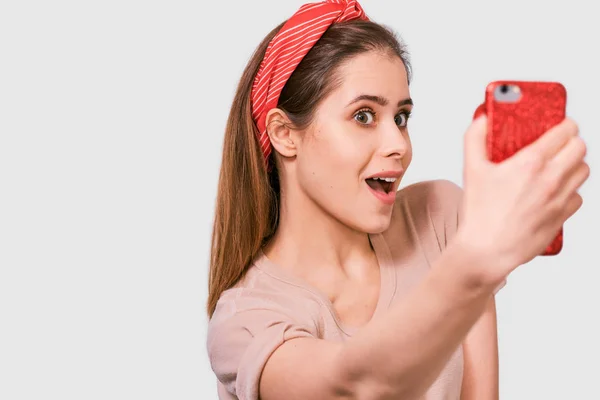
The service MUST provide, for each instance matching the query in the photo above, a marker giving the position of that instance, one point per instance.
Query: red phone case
(512, 126)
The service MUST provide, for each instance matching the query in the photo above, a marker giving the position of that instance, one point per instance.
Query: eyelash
(362, 110)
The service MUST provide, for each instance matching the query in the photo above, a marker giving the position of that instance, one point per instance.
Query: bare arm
(480, 348)
(514, 210)
(396, 356)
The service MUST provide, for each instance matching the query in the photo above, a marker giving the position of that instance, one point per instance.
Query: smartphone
(518, 113)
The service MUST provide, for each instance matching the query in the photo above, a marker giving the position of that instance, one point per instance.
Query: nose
(394, 141)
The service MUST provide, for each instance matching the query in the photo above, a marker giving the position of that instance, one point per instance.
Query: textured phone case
(512, 126)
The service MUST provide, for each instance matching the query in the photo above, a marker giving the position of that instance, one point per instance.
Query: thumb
(475, 147)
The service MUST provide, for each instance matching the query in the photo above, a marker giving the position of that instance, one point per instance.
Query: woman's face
(353, 156)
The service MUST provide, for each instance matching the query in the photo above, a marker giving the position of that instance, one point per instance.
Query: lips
(381, 184)
(384, 185)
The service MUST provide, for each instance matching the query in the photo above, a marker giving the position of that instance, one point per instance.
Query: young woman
(326, 282)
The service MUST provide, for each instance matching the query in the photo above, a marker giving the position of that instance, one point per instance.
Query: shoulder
(431, 201)
(427, 209)
(264, 289)
(249, 323)
(259, 300)
(434, 195)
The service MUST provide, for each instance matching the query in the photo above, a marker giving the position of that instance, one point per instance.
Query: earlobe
(280, 132)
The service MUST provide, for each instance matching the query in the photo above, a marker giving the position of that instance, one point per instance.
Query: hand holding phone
(512, 209)
(519, 113)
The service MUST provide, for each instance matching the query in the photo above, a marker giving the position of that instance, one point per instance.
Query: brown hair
(247, 204)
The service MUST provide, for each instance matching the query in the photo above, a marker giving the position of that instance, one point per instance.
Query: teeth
(385, 179)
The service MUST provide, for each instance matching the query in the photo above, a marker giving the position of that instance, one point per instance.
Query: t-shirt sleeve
(240, 341)
(448, 197)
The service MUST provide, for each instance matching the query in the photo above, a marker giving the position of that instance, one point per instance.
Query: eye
(402, 119)
(365, 117)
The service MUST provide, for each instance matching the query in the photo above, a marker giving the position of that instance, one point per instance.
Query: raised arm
(511, 212)
(396, 356)
(480, 350)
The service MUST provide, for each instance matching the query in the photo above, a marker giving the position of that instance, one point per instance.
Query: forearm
(400, 354)
(480, 349)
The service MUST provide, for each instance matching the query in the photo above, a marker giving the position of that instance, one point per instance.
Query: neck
(309, 239)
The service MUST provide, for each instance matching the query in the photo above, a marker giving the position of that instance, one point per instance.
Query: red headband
(297, 36)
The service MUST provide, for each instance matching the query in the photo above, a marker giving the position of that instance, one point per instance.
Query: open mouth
(383, 185)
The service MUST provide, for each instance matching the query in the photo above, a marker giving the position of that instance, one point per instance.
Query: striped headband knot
(295, 39)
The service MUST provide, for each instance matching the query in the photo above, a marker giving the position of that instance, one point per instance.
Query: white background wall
(111, 124)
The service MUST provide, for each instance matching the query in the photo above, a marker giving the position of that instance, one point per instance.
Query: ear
(280, 132)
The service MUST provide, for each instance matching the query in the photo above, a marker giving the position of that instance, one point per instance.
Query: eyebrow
(382, 101)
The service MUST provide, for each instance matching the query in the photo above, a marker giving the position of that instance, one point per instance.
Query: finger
(475, 142)
(551, 142)
(576, 179)
(569, 158)
(573, 205)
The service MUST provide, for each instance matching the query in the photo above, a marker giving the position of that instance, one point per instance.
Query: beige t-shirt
(269, 306)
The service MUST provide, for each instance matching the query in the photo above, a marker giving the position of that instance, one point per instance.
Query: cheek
(406, 160)
(332, 164)
(335, 149)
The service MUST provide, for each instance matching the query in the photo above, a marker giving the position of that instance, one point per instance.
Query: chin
(377, 223)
